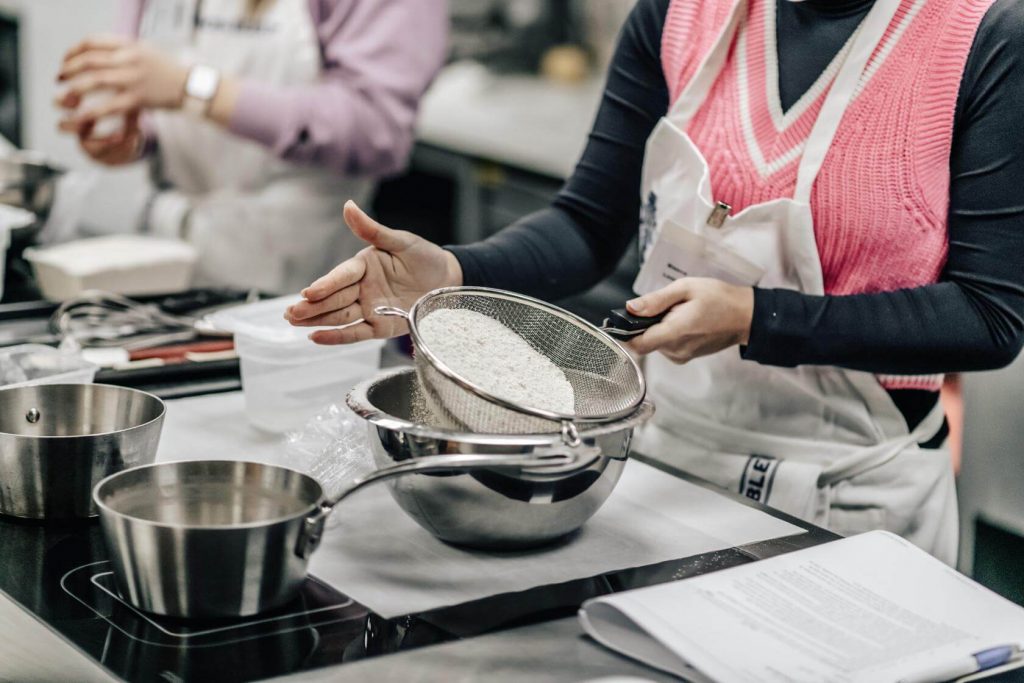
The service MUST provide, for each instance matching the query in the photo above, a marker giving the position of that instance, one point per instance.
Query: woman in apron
(262, 117)
(829, 213)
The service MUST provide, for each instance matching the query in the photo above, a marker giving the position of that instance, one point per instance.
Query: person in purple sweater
(260, 117)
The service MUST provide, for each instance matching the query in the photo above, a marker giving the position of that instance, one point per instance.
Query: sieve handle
(623, 325)
(391, 312)
(548, 462)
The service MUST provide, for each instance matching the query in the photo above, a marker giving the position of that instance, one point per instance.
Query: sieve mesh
(606, 382)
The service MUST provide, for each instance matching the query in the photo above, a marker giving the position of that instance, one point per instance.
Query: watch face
(202, 82)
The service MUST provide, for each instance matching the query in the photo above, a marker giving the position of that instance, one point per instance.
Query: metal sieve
(606, 381)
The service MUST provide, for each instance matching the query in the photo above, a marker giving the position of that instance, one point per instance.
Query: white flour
(496, 359)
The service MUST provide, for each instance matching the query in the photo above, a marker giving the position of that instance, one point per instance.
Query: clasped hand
(136, 77)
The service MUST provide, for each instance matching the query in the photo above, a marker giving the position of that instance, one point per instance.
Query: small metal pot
(58, 440)
(28, 181)
(487, 509)
(212, 539)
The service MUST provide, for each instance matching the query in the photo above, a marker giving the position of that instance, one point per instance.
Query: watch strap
(200, 88)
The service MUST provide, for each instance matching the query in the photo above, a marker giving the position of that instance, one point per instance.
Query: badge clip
(718, 215)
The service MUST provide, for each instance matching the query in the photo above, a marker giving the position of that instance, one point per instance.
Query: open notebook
(866, 608)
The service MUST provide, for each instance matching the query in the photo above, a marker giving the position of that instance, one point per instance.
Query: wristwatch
(200, 89)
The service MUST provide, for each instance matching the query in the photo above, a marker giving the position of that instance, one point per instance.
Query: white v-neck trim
(764, 167)
(890, 44)
(783, 119)
(768, 167)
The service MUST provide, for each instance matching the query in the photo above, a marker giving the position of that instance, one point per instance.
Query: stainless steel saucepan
(58, 440)
(212, 539)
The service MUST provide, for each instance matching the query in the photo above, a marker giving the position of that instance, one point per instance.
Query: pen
(965, 665)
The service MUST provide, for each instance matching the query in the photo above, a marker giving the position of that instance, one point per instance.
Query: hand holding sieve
(606, 381)
(622, 325)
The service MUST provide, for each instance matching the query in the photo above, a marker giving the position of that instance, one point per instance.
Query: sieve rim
(557, 311)
(358, 400)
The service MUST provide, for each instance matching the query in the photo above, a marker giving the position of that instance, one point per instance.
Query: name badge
(168, 23)
(678, 252)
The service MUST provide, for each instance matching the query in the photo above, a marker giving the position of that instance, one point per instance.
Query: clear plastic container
(287, 378)
(28, 364)
(11, 218)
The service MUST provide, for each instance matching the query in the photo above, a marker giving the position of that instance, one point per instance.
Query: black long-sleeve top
(972, 319)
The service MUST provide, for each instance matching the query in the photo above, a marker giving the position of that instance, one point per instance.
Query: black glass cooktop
(60, 573)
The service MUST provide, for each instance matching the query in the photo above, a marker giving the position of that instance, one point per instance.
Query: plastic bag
(332, 447)
(11, 371)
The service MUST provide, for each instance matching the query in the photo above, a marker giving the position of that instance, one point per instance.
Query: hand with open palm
(395, 270)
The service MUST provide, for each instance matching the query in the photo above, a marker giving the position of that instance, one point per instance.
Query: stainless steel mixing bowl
(58, 440)
(487, 509)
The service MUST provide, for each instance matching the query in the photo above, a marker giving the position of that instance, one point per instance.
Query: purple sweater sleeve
(128, 17)
(379, 57)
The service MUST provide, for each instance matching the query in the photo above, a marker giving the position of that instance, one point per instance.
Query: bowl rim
(104, 509)
(359, 401)
(101, 387)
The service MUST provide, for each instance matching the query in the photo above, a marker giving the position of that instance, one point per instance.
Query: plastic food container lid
(261, 330)
(29, 364)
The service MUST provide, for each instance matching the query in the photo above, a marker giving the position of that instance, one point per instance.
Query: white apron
(257, 220)
(825, 444)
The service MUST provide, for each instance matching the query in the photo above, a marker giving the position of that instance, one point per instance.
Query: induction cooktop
(60, 573)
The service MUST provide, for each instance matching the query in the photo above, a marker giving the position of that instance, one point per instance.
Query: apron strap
(876, 456)
(869, 35)
(696, 91)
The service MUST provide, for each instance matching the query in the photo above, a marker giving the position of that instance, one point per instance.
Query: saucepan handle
(548, 462)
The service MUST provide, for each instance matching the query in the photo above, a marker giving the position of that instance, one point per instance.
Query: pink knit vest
(881, 200)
